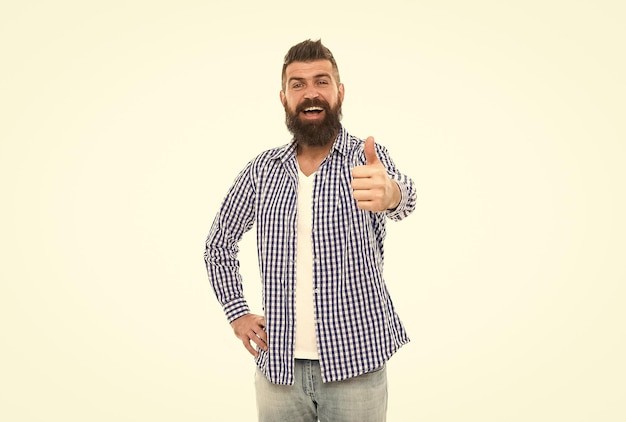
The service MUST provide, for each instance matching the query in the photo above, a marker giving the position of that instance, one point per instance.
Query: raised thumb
(370, 151)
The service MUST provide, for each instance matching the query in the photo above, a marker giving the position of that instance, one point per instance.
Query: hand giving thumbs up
(372, 187)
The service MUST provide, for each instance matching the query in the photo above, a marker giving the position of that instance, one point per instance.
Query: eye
(322, 82)
(297, 85)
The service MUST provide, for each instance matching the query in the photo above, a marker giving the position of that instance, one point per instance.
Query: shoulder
(349, 145)
(269, 160)
(279, 153)
(353, 148)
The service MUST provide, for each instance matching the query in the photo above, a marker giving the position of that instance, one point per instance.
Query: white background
(123, 123)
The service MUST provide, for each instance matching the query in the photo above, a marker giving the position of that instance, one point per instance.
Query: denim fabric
(359, 399)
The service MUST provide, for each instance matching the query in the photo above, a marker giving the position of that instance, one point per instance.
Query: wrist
(396, 196)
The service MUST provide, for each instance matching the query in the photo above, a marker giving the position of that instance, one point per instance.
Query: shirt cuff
(398, 212)
(236, 308)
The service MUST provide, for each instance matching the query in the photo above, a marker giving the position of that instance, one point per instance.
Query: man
(320, 204)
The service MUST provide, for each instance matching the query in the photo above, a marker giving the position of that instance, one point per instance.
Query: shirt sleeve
(405, 183)
(235, 217)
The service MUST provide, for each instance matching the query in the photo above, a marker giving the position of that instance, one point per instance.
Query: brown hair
(308, 51)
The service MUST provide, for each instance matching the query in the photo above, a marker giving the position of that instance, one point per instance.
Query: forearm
(223, 272)
(408, 197)
(235, 217)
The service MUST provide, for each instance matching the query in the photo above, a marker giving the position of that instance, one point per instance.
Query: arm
(379, 187)
(235, 217)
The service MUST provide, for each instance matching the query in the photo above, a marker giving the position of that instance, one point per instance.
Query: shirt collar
(288, 151)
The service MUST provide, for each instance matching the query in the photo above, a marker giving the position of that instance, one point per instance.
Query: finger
(260, 338)
(367, 195)
(367, 183)
(259, 330)
(370, 151)
(259, 343)
(362, 172)
(248, 346)
(369, 170)
(369, 206)
(360, 184)
(364, 205)
(363, 194)
(263, 336)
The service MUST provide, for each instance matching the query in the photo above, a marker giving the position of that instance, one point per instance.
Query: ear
(283, 99)
(341, 91)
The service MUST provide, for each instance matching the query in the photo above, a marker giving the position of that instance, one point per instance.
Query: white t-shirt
(306, 334)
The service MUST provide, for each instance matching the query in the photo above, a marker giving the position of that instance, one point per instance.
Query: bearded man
(320, 205)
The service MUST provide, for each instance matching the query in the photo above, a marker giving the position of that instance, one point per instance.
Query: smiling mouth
(312, 111)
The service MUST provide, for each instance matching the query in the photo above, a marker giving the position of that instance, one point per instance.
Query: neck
(310, 157)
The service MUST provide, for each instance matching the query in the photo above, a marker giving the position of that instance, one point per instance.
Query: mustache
(312, 102)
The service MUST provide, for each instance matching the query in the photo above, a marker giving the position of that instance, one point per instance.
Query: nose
(311, 93)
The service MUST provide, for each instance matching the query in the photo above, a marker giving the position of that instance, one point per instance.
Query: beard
(314, 134)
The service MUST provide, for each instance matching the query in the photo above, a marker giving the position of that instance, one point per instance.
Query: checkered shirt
(357, 327)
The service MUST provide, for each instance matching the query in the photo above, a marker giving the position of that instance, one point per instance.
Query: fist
(372, 187)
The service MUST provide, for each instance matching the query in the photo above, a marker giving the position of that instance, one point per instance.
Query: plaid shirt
(357, 327)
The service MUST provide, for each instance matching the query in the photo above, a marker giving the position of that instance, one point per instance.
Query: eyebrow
(318, 76)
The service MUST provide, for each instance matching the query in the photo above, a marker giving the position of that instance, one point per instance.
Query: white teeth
(313, 109)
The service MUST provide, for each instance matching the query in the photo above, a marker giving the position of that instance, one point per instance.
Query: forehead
(309, 69)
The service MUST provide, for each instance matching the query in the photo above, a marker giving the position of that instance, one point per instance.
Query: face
(312, 100)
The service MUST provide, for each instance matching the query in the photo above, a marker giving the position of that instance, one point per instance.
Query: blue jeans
(358, 399)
